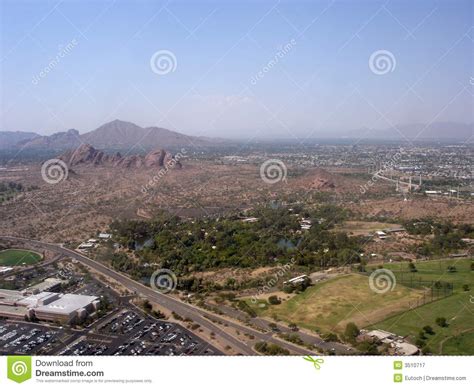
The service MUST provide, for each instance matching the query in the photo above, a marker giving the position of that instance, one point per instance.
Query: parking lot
(25, 338)
(129, 332)
(126, 332)
(118, 328)
(141, 335)
(85, 348)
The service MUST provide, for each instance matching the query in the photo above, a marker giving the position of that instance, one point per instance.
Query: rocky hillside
(88, 155)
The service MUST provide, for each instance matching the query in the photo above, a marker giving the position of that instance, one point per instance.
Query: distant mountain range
(114, 135)
(122, 135)
(11, 139)
(57, 141)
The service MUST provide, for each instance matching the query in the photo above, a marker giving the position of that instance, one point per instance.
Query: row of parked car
(18, 338)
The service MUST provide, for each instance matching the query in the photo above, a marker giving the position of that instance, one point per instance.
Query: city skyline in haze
(264, 69)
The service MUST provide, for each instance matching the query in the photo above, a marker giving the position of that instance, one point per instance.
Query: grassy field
(434, 270)
(358, 228)
(458, 337)
(14, 257)
(454, 339)
(462, 344)
(330, 305)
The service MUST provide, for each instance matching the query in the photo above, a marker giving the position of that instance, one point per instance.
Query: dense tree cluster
(276, 238)
(446, 237)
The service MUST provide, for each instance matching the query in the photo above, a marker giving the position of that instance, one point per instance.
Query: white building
(397, 343)
(46, 306)
(86, 246)
(297, 280)
(5, 269)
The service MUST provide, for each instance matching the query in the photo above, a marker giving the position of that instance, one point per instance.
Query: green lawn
(459, 313)
(14, 257)
(328, 306)
(458, 337)
(462, 344)
(434, 270)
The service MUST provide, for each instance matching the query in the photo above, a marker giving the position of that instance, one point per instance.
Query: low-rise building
(297, 280)
(398, 345)
(46, 306)
(49, 284)
(5, 269)
(66, 307)
(86, 246)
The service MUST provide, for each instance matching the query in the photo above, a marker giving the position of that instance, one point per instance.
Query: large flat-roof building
(46, 306)
(51, 306)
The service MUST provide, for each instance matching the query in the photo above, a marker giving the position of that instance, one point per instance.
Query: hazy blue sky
(78, 64)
